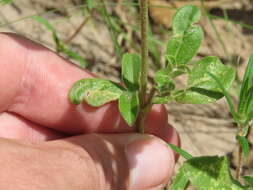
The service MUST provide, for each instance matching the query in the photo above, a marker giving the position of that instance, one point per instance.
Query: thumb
(120, 161)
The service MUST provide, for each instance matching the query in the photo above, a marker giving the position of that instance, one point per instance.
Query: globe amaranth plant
(208, 80)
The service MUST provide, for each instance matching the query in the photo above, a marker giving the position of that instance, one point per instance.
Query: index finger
(36, 83)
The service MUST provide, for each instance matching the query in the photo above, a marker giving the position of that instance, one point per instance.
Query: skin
(48, 143)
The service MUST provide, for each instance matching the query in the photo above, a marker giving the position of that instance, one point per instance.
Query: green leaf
(209, 173)
(163, 81)
(50, 28)
(129, 106)
(73, 55)
(166, 99)
(227, 96)
(202, 88)
(249, 116)
(45, 23)
(131, 70)
(246, 84)
(182, 48)
(244, 143)
(90, 4)
(249, 101)
(94, 91)
(181, 181)
(184, 18)
(249, 180)
(162, 99)
(179, 70)
(180, 151)
(184, 44)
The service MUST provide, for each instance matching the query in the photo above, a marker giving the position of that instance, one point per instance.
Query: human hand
(91, 148)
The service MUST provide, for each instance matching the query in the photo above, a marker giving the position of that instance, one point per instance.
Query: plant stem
(144, 111)
(239, 163)
(141, 117)
(144, 65)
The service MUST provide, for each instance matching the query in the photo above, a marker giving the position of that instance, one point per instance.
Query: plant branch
(144, 65)
(239, 163)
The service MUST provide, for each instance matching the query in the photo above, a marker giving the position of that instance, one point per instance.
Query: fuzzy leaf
(181, 181)
(162, 99)
(162, 77)
(179, 70)
(131, 70)
(246, 84)
(202, 88)
(209, 173)
(184, 18)
(227, 96)
(94, 91)
(244, 143)
(182, 48)
(163, 81)
(167, 98)
(129, 106)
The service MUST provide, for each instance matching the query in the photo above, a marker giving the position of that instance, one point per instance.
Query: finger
(36, 83)
(122, 161)
(15, 127)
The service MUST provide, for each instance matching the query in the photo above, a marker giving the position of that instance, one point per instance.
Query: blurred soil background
(228, 28)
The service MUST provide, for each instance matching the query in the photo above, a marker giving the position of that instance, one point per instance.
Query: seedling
(133, 97)
(208, 81)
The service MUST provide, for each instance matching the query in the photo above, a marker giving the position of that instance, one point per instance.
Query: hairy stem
(144, 66)
(142, 116)
(144, 111)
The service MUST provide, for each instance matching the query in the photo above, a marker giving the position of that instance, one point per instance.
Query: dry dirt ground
(204, 129)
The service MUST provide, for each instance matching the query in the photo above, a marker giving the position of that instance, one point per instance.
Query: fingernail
(151, 163)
